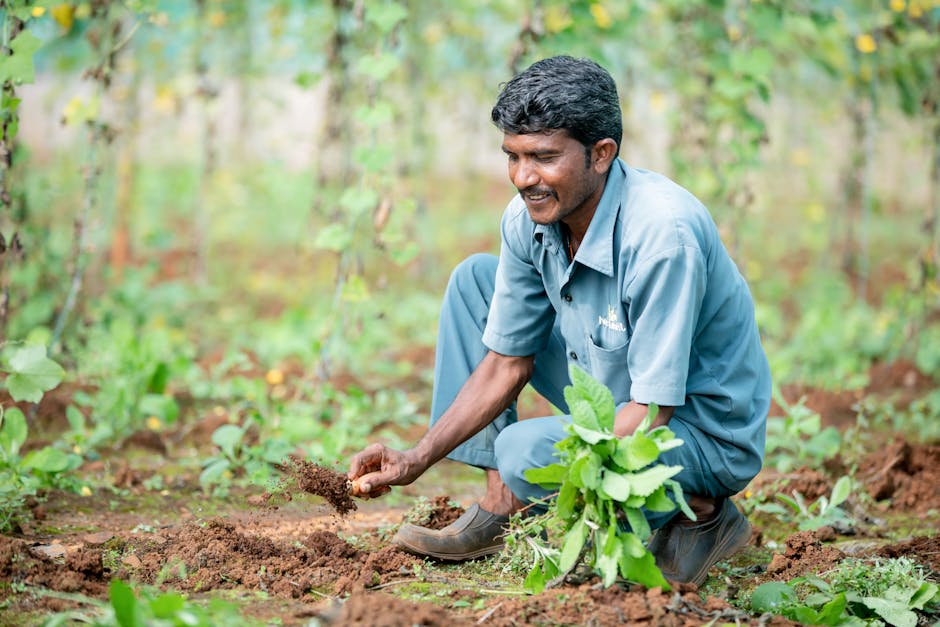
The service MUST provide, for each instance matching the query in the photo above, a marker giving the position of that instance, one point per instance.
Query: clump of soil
(215, 555)
(804, 554)
(317, 480)
(906, 473)
(443, 513)
(326, 482)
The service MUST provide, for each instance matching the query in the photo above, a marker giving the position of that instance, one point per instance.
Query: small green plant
(821, 512)
(23, 477)
(149, 608)
(604, 484)
(857, 592)
(255, 462)
(798, 437)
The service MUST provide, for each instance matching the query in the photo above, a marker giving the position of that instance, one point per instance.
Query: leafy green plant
(823, 511)
(150, 608)
(604, 484)
(23, 477)
(254, 462)
(857, 592)
(798, 437)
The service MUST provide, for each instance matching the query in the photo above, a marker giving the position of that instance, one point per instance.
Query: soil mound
(382, 610)
(442, 513)
(922, 549)
(906, 473)
(215, 555)
(804, 554)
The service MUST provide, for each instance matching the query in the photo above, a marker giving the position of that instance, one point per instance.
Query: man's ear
(603, 154)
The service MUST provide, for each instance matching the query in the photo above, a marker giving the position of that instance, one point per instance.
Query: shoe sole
(452, 557)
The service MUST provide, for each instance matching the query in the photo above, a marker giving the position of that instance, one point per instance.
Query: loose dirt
(906, 473)
(320, 481)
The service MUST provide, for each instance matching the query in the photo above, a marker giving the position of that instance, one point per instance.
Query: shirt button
(567, 298)
(573, 355)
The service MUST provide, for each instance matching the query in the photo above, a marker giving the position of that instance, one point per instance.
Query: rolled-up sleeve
(521, 314)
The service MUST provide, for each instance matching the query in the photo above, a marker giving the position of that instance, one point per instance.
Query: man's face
(552, 175)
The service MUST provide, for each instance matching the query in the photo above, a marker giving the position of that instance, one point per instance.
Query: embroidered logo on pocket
(612, 321)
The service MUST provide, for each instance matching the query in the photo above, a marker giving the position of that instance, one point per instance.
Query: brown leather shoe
(685, 552)
(475, 534)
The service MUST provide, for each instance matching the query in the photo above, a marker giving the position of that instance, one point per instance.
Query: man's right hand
(377, 467)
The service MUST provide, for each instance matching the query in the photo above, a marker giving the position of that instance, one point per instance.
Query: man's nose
(523, 175)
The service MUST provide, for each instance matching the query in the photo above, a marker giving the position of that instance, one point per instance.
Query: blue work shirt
(652, 306)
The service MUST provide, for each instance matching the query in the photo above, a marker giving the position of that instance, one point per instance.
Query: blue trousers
(512, 446)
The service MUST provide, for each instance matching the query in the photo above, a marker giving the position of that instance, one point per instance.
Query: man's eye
(545, 159)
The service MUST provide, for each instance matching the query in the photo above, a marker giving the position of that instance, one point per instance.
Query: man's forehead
(524, 141)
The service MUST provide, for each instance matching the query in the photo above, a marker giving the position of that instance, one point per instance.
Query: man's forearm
(632, 414)
(493, 386)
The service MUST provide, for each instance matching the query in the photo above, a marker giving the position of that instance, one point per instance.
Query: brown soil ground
(333, 562)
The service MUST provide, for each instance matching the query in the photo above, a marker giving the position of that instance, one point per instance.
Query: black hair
(576, 95)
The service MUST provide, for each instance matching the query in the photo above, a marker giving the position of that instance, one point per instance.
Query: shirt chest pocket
(609, 366)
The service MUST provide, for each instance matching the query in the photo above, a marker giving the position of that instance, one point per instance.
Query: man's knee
(475, 274)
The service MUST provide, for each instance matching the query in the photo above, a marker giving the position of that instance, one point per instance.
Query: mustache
(537, 190)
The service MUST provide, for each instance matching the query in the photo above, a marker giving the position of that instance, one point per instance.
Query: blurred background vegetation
(243, 213)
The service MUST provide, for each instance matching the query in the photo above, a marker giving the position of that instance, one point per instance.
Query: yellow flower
(865, 43)
(77, 449)
(217, 19)
(274, 377)
(86, 491)
(897, 5)
(557, 19)
(38, 11)
(601, 16)
(153, 423)
(64, 15)
(734, 32)
(915, 10)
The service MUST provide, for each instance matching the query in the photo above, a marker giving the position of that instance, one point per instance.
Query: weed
(856, 592)
(604, 484)
(798, 437)
(821, 512)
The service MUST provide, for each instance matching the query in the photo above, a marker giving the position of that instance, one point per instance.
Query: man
(619, 271)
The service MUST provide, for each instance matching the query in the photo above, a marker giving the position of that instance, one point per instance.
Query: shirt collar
(597, 248)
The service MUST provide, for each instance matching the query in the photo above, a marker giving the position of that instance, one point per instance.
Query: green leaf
(772, 597)
(638, 523)
(840, 492)
(574, 542)
(590, 471)
(228, 438)
(607, 564)
(636, 451)
(679, 498)
(659, 501)
(47, 459)
(386, 16)
(632, 545)
(535, 581)
(336, 237)
(645, 482)
(547, 476)
(583, 416)
(893, 612)
(642, 570)
(377, 67)
(359, 200)
(567, 499)
(167, 605)
(32, 373)
(14, 431)
(831, 612)
(18, 67)
(125, 604)
(615, 485)
(213, 472)
(589, 389)
(589, 435)
(75, 417)
(924, 594)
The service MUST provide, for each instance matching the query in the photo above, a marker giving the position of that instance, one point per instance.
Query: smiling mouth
(537, 196)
